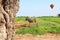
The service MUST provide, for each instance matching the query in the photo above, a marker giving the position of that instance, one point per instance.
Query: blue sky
(38, 8)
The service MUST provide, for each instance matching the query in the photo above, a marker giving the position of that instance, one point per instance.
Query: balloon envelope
(52, 6)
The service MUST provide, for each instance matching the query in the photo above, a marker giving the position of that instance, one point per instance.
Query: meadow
(46, 24)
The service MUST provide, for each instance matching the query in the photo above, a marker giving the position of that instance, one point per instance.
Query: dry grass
(21, 24)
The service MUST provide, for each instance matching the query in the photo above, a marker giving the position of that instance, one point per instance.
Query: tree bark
(8, 10)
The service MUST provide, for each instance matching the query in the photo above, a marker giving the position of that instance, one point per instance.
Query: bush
(58, 15)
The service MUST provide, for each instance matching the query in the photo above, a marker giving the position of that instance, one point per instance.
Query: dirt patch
(48, 36)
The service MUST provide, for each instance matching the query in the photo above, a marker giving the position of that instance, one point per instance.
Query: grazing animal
(32, 20)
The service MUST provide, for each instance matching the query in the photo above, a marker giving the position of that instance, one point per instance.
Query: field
(46, 24)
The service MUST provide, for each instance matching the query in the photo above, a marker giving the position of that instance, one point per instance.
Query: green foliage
(17, 19)
(31, 30)
(46, 25)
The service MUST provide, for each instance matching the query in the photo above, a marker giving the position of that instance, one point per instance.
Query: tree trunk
(8, 10)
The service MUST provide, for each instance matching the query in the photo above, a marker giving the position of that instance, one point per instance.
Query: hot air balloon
(52, 6)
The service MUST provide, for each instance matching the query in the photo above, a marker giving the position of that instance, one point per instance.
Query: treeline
(58, 15)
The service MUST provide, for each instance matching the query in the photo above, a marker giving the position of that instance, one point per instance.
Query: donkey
(32, 20)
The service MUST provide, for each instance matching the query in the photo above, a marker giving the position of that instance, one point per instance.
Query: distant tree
(58, 15)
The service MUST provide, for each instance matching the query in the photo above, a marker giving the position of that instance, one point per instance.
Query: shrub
(58, 15)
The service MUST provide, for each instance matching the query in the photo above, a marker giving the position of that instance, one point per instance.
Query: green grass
(45, 25)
